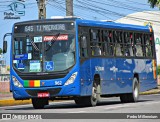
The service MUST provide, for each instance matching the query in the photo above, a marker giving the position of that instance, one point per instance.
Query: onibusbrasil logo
(158, 41)
(16, 10)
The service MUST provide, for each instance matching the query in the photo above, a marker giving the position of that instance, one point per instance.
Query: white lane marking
(152, 102)
(18, 106)
(69, 101)
(77, 112)
(115, 107)
(131, 105)
(5, 107)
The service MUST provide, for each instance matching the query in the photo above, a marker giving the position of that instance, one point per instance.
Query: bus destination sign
(44, 28)
(28, 28)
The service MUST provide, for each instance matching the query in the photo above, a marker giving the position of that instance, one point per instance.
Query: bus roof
(93, 23)
(46, 20)
(112, 25)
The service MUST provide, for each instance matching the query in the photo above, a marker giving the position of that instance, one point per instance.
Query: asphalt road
(146, 104)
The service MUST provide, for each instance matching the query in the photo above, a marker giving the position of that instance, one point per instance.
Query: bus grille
(52, 92)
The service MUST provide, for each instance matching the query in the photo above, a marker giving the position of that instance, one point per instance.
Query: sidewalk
(152, 91)
(6, 99)
(6, 95)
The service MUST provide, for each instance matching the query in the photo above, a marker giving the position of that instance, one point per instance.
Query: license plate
(43, 94)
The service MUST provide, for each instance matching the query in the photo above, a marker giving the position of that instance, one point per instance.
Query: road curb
(150, 92)
(11, 102)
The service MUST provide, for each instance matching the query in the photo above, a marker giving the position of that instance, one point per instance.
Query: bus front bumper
(59, 91)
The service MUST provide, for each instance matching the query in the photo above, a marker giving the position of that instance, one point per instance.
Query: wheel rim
(136, 92)
(94, 94)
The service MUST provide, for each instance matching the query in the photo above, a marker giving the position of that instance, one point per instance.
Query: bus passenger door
(107, 61)
(85, 72)
(124, 62)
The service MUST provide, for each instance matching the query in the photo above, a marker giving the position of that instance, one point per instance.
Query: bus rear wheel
(39, 103)
(134, 96)
(131, 97)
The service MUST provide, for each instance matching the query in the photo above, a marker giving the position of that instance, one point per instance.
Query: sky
(86, 9)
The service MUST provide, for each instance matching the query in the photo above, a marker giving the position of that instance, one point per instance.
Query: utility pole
(41, 9)
(69, 7)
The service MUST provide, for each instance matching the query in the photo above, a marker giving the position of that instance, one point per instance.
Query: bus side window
(96, 48)
(138, 45)
(128, 44)
(108, 45)
(83, 44)
(118, 43)
(148, 45)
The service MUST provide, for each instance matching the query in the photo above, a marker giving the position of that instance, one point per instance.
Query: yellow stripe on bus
(36, 83)
(154, 69)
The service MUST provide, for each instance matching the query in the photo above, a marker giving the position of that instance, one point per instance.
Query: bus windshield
(48, 53)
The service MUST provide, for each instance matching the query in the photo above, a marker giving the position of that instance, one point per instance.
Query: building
(144, 18)
(4, 70)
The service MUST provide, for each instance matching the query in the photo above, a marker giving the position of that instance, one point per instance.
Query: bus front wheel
(88, 100)
(79, 101)
(39, 103)
(93, 99)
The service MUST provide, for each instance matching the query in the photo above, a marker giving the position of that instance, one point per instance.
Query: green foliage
(158, 70)
(154, 3)
(8, 68)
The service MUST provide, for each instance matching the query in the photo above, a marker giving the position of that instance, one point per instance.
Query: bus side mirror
(4, 47)
(5, 42)
(83, 42)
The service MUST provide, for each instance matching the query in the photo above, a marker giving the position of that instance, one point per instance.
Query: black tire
(80, 101)
(134, 96)
(124, 98)
(39, 103)
(94, 98)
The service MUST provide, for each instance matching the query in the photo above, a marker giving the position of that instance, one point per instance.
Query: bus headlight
(71, 79)
(16, 82)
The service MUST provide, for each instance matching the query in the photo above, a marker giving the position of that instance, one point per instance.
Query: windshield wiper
(33, 44)
(51, 42)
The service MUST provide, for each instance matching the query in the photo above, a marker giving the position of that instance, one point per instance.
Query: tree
(154, 3)
(158, 70)
(0, 51)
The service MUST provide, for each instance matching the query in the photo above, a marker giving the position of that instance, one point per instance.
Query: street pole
(69, 7)
(41, 9)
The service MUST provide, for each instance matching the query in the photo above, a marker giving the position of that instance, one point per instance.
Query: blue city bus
(82, 60)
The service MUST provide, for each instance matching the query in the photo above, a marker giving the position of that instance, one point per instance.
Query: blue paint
(116, 77)
(21, 57)
(49, 66)
(112, 25)
(20, 66)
